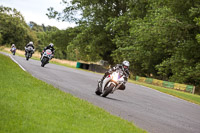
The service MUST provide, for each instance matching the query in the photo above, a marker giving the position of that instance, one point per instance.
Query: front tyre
(44, 62)
(108, 90)
(27, 57)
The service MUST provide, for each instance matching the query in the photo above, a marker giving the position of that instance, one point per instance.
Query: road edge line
(17, 63)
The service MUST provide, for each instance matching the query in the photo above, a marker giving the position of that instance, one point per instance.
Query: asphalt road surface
(149, 109)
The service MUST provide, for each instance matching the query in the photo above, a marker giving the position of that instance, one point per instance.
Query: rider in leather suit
(124, 67)
(27, 45)
(50, 46)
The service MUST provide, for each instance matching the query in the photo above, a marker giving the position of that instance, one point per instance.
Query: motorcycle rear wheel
(108, 90)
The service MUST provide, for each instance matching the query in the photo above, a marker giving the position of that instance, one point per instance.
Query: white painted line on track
(17, 63)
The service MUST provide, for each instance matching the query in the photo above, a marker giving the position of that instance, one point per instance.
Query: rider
(29, 44)
(124, 67)
(50, 46)
(13, 46)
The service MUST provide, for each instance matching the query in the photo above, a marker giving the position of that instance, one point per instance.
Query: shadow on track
(114, 99)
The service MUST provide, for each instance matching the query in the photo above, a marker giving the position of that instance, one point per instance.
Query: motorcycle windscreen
(48, 51)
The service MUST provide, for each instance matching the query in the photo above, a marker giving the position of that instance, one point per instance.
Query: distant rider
(13, 49)
(13, 46)
(50, 46)
(30, 44)
(124, 67)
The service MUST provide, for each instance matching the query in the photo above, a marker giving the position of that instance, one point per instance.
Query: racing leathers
(31, 45)
(48, 47)
(125, 72)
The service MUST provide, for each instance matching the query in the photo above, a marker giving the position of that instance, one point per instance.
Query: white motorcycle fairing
(111, 83)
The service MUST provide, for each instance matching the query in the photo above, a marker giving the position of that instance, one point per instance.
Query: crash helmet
(31, 42)
(125, 65)
(13, 45)
(51, 44)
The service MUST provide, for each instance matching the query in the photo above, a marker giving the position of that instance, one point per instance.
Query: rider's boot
(101, 83)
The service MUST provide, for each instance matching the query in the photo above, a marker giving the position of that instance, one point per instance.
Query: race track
(149, 109)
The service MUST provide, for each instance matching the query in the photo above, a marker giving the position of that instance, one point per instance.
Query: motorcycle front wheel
(108, 90)
(27, 56)
(44, 62)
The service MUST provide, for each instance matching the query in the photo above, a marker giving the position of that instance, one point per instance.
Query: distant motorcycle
(29, 51)
(111, 83)
(46, 57)
(13, 50)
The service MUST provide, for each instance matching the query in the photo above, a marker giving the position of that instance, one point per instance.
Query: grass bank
(183, 95)
(28, 105)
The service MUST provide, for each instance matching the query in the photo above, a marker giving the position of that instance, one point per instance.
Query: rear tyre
(108, 90)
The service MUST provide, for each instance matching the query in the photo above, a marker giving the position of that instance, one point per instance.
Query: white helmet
(31, 42)
(125, 64)
(13, 45)
(51, 44)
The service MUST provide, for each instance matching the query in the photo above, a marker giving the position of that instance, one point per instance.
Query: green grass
(183, 95)
(28, 105)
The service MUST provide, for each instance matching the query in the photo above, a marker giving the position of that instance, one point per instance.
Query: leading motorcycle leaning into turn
(114, 79)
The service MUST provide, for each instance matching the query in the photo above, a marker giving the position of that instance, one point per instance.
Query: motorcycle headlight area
(115, 77)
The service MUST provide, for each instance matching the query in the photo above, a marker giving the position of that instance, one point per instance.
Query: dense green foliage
(161, 39)
(13, 28)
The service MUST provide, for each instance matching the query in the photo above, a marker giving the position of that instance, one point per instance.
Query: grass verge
(183, 95)
(29, 105)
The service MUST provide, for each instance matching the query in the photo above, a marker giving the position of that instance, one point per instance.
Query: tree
(13, 28)
(159, 38)
(94, 17)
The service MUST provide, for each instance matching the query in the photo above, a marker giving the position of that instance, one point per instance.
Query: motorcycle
(13, 50)
(111, 83)
(29, 52)
(46, 57)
